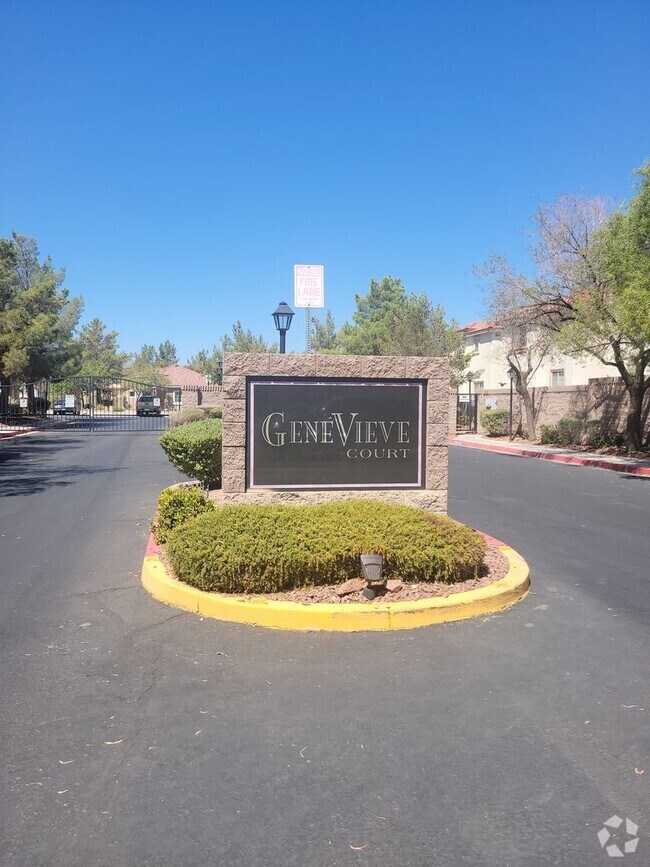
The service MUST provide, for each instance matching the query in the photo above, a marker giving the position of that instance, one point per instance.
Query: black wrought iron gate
(88, 403)
(466, 407)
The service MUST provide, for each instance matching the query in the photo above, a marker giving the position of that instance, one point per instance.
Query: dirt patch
(496, 567)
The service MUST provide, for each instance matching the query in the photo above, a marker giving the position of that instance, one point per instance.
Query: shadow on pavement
(27, 468)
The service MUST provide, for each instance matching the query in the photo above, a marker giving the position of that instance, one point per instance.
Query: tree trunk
(634, 423)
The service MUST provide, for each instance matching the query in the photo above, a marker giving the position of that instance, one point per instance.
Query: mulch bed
(496, 567)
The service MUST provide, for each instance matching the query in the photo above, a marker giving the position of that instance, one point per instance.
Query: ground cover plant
(195, 450)
(270, 548)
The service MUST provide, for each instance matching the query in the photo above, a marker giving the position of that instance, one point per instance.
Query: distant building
(176, 374)
(490, 367)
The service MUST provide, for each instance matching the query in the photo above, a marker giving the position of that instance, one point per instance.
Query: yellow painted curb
(375, 616)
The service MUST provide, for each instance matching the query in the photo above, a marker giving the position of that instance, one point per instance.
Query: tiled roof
(178, 375)
(476, 327)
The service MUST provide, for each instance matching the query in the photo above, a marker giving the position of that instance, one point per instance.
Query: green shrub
(195, 449)
(264, 549)
(185, 416)
(194, 413)
(176, 506)
(598, 436)
(495, 422)
(567, 432)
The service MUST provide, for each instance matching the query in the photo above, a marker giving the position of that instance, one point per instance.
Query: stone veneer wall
(602, 400)
(237, 366)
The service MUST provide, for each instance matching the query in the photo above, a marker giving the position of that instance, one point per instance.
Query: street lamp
(512, 373)
(282, 318)
(470, 377)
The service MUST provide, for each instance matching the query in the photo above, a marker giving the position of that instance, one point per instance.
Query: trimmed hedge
(194, 413)
(495, 421)
(195, 449)
(176, 506)
(266, 549)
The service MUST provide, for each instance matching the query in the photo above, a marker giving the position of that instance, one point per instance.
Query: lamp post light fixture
(472, 419)
(282, 318)
(512, 373)
(371, 565)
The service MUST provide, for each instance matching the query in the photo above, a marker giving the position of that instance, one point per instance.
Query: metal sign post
(308, 292)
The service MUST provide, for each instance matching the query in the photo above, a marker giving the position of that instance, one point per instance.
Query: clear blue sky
(179, 157)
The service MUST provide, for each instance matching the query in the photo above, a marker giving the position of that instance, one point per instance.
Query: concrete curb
(576, 460)
(9, 434)
(321, 616)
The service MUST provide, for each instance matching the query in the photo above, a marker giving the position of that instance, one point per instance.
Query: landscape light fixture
(282, 318)
(371, 565)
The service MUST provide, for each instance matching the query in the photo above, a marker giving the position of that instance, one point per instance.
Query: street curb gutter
(380, 616)
(577, 460)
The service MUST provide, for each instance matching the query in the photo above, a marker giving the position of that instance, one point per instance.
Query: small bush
(195, 449)
(185, 416)
(194, 413)
(597, 436)
(567, 432)
(176, 506)
(265, 549)
(495, 422)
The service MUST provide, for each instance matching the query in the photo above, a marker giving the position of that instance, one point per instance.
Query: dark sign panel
(335, 434)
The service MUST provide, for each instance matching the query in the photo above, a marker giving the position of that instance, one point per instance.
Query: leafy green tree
(592, 289)
(390, 321)
(246, 341)
(100, 355)
(167, 354)
(143, 367)
(208, 362)
(369, 331)
(323, 334)
(37, 315)
(417, 327)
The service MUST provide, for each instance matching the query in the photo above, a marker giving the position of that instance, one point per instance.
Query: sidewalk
(634, 466)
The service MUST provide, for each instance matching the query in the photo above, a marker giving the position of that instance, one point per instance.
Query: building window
(476, 344)
(178, 395)
(557, 378)
(479, 385)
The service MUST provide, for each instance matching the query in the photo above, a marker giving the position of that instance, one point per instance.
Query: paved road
(133, 734)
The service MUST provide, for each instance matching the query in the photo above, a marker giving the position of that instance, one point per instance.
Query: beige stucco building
(490, 367)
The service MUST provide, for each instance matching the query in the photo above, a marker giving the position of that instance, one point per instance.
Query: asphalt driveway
(134, 734)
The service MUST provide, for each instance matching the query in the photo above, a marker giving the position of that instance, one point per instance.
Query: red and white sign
(309, 285)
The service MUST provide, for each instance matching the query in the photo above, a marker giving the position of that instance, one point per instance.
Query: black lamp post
(512, 373)
(282, 318)
(470, 377)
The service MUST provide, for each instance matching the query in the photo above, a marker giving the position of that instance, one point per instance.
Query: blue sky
(179, 158)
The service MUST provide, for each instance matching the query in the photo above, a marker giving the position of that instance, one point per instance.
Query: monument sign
(318, 434)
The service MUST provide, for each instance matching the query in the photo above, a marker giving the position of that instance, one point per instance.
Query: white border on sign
(316, 271)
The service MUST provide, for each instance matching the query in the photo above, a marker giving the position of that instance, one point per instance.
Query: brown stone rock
(393, 585)
(351, 586)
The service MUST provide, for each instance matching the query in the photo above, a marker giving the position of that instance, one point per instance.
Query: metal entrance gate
(466, 418)
(88, 403)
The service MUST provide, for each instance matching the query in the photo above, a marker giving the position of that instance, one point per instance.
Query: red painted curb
(577, 460)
